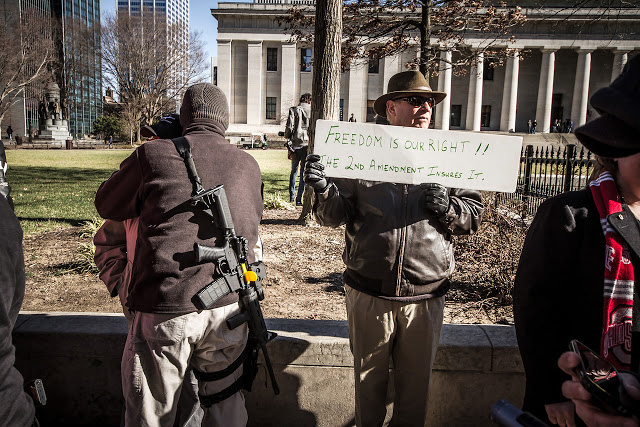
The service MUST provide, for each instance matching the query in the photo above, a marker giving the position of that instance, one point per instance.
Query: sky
(200, 20)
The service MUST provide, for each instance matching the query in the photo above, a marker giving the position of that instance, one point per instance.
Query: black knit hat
(167, 128)
(615, 133)
(204, 101)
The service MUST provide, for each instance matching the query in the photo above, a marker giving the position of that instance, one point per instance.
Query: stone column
(581, 88)
(510, 94)
(255, 100)
(474, 102)
(357, 92)
(545, 91)
(289, 80)
(391, 67)
(224, 72)
(619, 61)
(443, 110)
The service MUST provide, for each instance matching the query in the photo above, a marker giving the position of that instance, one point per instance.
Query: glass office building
(80, 20)
(79, 75)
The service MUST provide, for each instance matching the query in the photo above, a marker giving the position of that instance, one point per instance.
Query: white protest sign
(471, 160)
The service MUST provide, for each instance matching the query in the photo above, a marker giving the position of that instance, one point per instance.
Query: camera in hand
(281, 133)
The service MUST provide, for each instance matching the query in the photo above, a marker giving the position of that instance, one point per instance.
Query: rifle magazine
(206, 297)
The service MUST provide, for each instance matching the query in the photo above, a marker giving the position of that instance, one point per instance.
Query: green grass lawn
(54, 188)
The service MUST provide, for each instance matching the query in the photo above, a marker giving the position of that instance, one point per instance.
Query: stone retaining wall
(78, 357)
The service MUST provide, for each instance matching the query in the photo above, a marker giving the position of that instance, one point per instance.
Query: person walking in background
(296, 131)
(529, 126)
(398, 258)
(352, 118)
(10, 132)
(534, 125)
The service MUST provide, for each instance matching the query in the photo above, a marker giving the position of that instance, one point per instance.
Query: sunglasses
(418, 101)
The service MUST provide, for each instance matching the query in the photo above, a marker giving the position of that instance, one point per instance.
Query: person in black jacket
(575, 279)
(16, 408)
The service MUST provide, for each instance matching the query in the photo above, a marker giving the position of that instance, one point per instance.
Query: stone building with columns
(563, 56)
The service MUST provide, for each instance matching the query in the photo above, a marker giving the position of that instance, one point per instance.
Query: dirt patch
(304, 275)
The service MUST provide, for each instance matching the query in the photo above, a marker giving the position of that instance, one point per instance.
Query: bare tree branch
(25, 53)
(148, 64)
(376, 29)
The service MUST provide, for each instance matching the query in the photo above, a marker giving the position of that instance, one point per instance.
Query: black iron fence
(545, 172)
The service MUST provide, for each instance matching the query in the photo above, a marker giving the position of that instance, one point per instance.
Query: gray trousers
(160, 349)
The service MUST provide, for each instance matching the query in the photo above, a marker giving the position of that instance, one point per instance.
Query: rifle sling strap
(184, 149)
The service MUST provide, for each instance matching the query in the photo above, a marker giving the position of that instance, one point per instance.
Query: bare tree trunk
(425, 37)
(325, 99)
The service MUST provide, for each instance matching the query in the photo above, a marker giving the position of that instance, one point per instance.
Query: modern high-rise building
(173, 13)
(78, 67)
(81, 74)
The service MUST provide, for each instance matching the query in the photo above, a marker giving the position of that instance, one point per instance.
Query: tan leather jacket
(392, 247)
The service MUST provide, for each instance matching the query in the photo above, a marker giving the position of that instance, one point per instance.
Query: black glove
(436, 199)
(314, 173)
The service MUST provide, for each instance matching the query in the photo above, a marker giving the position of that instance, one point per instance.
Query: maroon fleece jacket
(153, 184)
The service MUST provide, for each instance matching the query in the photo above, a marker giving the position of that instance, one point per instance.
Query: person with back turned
(169, 333)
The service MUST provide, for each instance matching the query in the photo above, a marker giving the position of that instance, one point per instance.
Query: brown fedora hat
(404, 84)
(615, 133)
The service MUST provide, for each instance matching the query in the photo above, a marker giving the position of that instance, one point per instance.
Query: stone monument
(53, 126)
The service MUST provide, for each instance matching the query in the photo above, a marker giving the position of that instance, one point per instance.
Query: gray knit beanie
(204, 101)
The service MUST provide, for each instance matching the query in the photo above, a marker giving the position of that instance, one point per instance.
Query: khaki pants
(160, 348)
(406, 333)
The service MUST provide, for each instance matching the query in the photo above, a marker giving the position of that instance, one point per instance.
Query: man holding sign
(399, 258)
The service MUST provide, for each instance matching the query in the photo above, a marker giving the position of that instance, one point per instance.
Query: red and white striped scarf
(615, 344)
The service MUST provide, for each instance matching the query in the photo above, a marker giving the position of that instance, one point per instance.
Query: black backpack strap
(184, 149)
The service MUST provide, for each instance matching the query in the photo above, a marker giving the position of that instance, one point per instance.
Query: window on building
(485, 116)
(456, 115)
(374, 65)
(271, 108)
(272, 59)
(215, 75)
(371, 114)
(305, 59)
(487, 71)
(341, 109)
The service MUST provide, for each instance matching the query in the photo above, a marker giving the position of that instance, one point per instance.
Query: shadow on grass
(69, 221)
(275, 182)
(52, 175)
